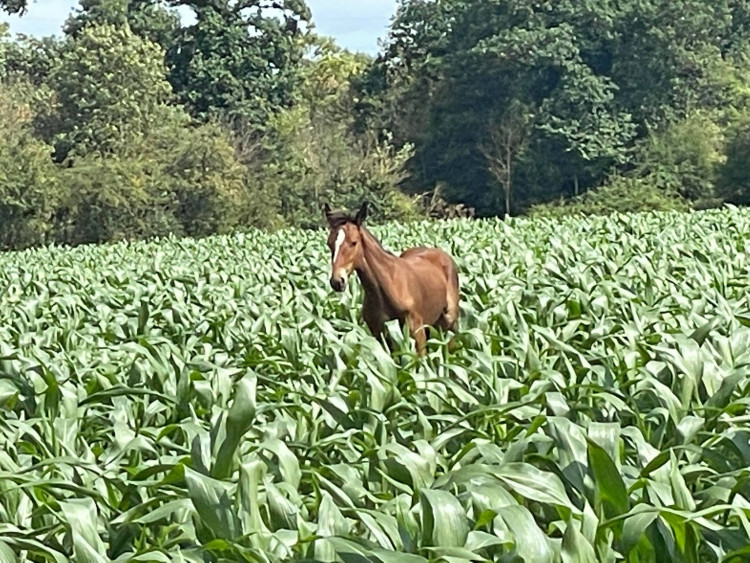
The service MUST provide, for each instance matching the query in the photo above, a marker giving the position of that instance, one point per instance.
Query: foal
(419, 288)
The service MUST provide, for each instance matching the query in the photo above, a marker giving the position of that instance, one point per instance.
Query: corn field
(213, 400)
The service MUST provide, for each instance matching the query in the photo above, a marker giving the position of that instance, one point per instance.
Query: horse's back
(435, 256)
(437, 259)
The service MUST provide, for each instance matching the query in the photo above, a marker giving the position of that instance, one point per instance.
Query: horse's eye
(354, 243)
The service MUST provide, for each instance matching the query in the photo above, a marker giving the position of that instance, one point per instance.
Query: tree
(30, 58)
(620, 195)
(458, 63)
(684, 156)
(239, 62)
(596, 77)
(102, 110)
(506, 141)
(30, 191)
(318, 155)
(583, 116)
(14, 6)
(5, 46)
(117, 198)
(734, 174)
(149, 19)
(659, 53)
(209, 184)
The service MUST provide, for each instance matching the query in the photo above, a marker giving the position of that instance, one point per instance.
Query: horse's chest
(380, 308)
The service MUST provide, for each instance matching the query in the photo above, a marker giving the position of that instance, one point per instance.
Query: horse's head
(344, 240)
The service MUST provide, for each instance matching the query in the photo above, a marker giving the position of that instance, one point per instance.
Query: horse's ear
(327, 211)
(362, 213)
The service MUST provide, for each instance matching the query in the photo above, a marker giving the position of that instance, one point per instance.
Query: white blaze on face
(341, 272)
(339, 241)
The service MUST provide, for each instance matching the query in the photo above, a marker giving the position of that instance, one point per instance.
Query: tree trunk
(508, 182)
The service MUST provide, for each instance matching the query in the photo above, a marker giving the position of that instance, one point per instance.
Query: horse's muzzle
(338, 283)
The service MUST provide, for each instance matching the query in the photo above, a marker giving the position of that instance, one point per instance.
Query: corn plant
(213, 400)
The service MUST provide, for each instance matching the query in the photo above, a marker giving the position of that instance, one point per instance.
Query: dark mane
(375, 240)
(338, 219)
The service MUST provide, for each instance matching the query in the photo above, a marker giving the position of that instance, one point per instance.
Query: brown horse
(419, 288)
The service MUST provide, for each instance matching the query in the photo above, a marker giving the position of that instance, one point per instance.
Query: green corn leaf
(530, 542)
(331, 523)
(288, 462)
(531, 483)
(610, 486)
(7, 555)
(444, 522)
(213, 504)
(575, 547)
(635, 527)
(81, 516)
(238, 422)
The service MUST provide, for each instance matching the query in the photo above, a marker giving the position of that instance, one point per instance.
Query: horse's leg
(452, 310)
(448, 320)
(378, 330)
(445, 324)
(452, 298)
(375, 323)
(417, 329)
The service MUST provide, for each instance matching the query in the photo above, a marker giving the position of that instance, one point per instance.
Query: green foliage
(112, 90)
(149, 19)
(319, 157)
(734, 176)
(156, 175)
(214, 400)
(238, 62)
(133, 164)
(684, 157)
(115, 198)
(322, 161)
(594, 78)
(30, 191)
(475, 106)
(183, 181)
(619, 195)
(673, 169)
(461, 65)
(31, 59)
(5, 45)
(209, 182)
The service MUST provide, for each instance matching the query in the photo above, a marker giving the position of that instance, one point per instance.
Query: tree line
(133, 123)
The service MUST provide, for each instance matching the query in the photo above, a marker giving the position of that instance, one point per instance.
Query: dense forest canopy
(246, 117)
(568, 93)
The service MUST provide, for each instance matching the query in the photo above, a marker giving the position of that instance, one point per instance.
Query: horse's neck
(376, 272)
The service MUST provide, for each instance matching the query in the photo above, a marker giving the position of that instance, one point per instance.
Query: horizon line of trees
(133, 123)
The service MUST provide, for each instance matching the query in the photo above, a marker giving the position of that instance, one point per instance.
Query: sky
(356, 25)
